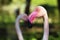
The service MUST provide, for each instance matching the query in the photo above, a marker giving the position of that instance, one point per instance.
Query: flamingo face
(24, 17)
(41, 11)
(38, 12)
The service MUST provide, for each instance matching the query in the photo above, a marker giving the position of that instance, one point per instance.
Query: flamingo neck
(18, 30)
(46, 28)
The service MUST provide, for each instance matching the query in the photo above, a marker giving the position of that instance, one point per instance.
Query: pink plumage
(32, 16)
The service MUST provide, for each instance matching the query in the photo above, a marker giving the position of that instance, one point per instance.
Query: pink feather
(32, 16)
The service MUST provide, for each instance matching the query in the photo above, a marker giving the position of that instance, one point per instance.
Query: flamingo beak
(31, 17)
(28, 24)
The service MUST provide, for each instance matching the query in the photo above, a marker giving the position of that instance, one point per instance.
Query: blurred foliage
(8, 17)
(5, 2)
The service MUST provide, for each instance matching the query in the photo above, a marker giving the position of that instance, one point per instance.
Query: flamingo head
(41, 11)
(24, 17)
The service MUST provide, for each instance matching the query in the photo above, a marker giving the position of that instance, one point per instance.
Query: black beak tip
(29, 24)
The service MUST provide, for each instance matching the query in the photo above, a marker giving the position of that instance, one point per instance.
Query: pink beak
(32, 16)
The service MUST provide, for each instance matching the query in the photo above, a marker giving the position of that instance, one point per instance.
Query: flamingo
(39, 11)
